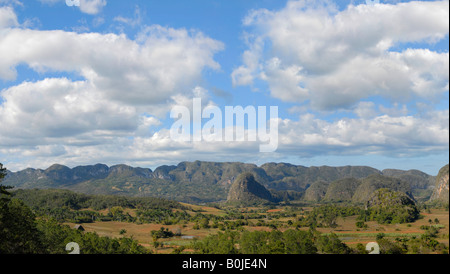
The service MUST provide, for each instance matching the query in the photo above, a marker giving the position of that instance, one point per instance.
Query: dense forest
(21, 232)
(64, 205)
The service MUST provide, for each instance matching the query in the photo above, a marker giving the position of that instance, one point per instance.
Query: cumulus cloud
(245, 74)
(399, 135)
(285, 82)
(92, 6)
(123, 86)
(38, 113)
(396, 136)
(164, 61)
(336, 58)
(8, 18)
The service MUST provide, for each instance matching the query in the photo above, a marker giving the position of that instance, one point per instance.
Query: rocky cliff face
(245, 189)
(441, 189)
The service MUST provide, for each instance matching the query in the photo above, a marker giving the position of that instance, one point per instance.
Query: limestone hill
(389, 206)
(441, 189)
(245, 189)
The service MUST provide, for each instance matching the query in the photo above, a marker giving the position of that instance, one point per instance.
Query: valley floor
(346, 229)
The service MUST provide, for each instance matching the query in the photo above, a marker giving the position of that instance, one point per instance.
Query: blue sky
(355, 83)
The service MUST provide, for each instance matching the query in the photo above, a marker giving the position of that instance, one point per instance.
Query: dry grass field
(346, 229)
(350, 235)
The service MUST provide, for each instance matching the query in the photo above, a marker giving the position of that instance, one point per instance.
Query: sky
(355, 82)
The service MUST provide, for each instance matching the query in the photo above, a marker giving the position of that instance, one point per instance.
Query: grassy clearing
(204, 209)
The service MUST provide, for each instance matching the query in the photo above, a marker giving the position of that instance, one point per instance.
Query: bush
(161, 233)
(361, 225)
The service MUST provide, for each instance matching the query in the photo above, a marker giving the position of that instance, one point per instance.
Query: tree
(117, 212)
(204, 223)
(380, 236)
(161, 233)
(4, 194)
(298, 242)
(17, 224)
(390, 247)
(361, 225)
(3, 189)
(18, 229)
(2, 172)
(330, 217)
(220, 243)
(332, 245)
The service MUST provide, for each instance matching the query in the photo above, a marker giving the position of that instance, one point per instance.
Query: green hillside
(342, 190)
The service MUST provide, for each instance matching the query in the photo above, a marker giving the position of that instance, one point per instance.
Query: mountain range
(199, 181)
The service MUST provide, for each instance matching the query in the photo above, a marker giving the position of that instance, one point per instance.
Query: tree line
(271, 242)
(54, 198)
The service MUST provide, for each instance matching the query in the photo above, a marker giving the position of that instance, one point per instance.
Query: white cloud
(284, 82)
(8, 18)
(133, 22)
(336, 58)
(396, 136)
(383, 134)
(163, 63)
(11, 2)
(365, 110)
(244, 74)
(92, 6)
(397, 76)
(123, 87)
(38, 113)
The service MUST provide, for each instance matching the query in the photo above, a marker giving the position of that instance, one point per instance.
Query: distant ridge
(201, 181)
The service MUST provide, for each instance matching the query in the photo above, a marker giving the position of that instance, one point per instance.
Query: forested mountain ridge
(211, 181)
